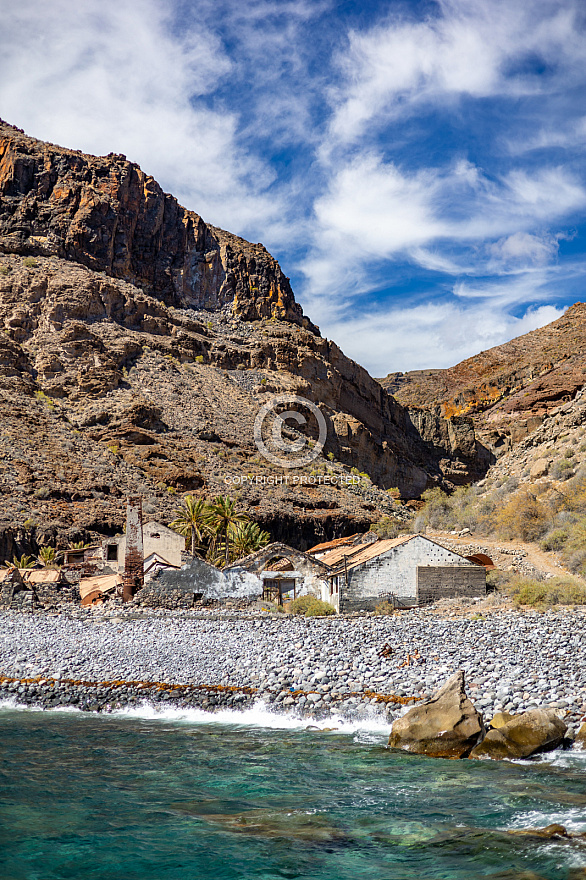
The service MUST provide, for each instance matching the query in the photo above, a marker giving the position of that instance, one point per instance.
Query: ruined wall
(395, 572)
(156, 539)
(449, 582)
(198, 580)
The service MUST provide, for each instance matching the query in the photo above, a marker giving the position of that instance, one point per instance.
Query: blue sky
(416, 167)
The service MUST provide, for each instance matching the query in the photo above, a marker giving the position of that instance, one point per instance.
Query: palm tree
(245, 538)
(24, 562)
(78, 545)
(221, 515)
(191, 521)
(48, 557)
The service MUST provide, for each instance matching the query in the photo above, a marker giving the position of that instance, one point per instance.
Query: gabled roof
(155, 558)
(275, 550)
(364, 554)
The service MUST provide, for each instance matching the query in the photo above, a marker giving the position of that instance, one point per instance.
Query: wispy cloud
(108, 77)
(431, 334)
(415, 169)
(478, 48)
(375, 210)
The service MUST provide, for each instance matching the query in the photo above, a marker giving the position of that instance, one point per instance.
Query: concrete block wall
(395, 572)
(448, 582)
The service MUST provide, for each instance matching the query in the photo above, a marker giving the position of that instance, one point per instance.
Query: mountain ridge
(507, 390)
(140, 343)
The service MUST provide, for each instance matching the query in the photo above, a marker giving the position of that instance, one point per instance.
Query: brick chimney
(133, 579)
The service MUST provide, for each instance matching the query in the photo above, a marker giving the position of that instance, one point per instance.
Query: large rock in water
(539, 730)
(447, 726)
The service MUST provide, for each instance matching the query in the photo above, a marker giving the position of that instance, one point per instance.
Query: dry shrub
(554, 591)
(555, 539)
(385, 608)
(310, 606)
(467, 507)
(389, 527)
(523, 517)
(574, 549)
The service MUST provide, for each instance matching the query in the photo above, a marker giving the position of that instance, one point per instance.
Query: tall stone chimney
(133, 579)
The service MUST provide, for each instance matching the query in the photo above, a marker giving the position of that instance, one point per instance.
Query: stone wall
(449, 582)
(395, 573)
(198, 581)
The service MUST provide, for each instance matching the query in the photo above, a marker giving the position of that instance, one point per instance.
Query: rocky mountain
(508, 390)
(138, 345)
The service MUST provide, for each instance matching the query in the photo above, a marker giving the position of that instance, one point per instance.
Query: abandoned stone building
(408, 570)
(285, 573)
(159, 543)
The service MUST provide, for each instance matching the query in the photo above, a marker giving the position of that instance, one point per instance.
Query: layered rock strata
(138, 345)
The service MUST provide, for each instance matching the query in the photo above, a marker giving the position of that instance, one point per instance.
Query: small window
(112, 553)
(155, 535)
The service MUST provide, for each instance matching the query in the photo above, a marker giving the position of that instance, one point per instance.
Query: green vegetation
(216, 530)
(389, 527)
(48, 557)
(43, 398)
(544, 594)
(199, 359)
(556, 518)
(30, 263)
(310, 606)
(79, 545)
(23, 561)
(5, 270)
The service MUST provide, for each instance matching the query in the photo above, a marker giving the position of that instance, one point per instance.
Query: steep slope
(509, 389)
(139, 344)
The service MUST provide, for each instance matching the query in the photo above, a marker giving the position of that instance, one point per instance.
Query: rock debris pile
(512, 662)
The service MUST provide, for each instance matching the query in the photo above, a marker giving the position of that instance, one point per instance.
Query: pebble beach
(311, 667)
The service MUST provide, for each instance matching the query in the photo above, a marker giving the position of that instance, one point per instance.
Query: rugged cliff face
(107, 214)
(138, 346)
(507, 390)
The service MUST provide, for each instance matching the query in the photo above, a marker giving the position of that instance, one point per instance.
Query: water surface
(137, 797)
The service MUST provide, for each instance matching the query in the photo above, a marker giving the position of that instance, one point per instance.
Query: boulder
(580, 740)
(539, 730)
(499, 719)
(446, 726)
(539, 469)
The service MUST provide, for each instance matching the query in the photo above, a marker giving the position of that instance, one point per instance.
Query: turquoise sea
(146, 797)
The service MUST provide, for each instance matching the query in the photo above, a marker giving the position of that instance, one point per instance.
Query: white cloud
(473, 47)
(374, 210)
(240, 111)
(431, 334)
(566, 134)
(524, 249)
(110, 76)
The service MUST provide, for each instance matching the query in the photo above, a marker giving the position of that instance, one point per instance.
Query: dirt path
(548, 563)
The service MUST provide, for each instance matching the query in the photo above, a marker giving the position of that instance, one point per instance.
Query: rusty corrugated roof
(337, 542)
(102, 584)
(363, 553)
